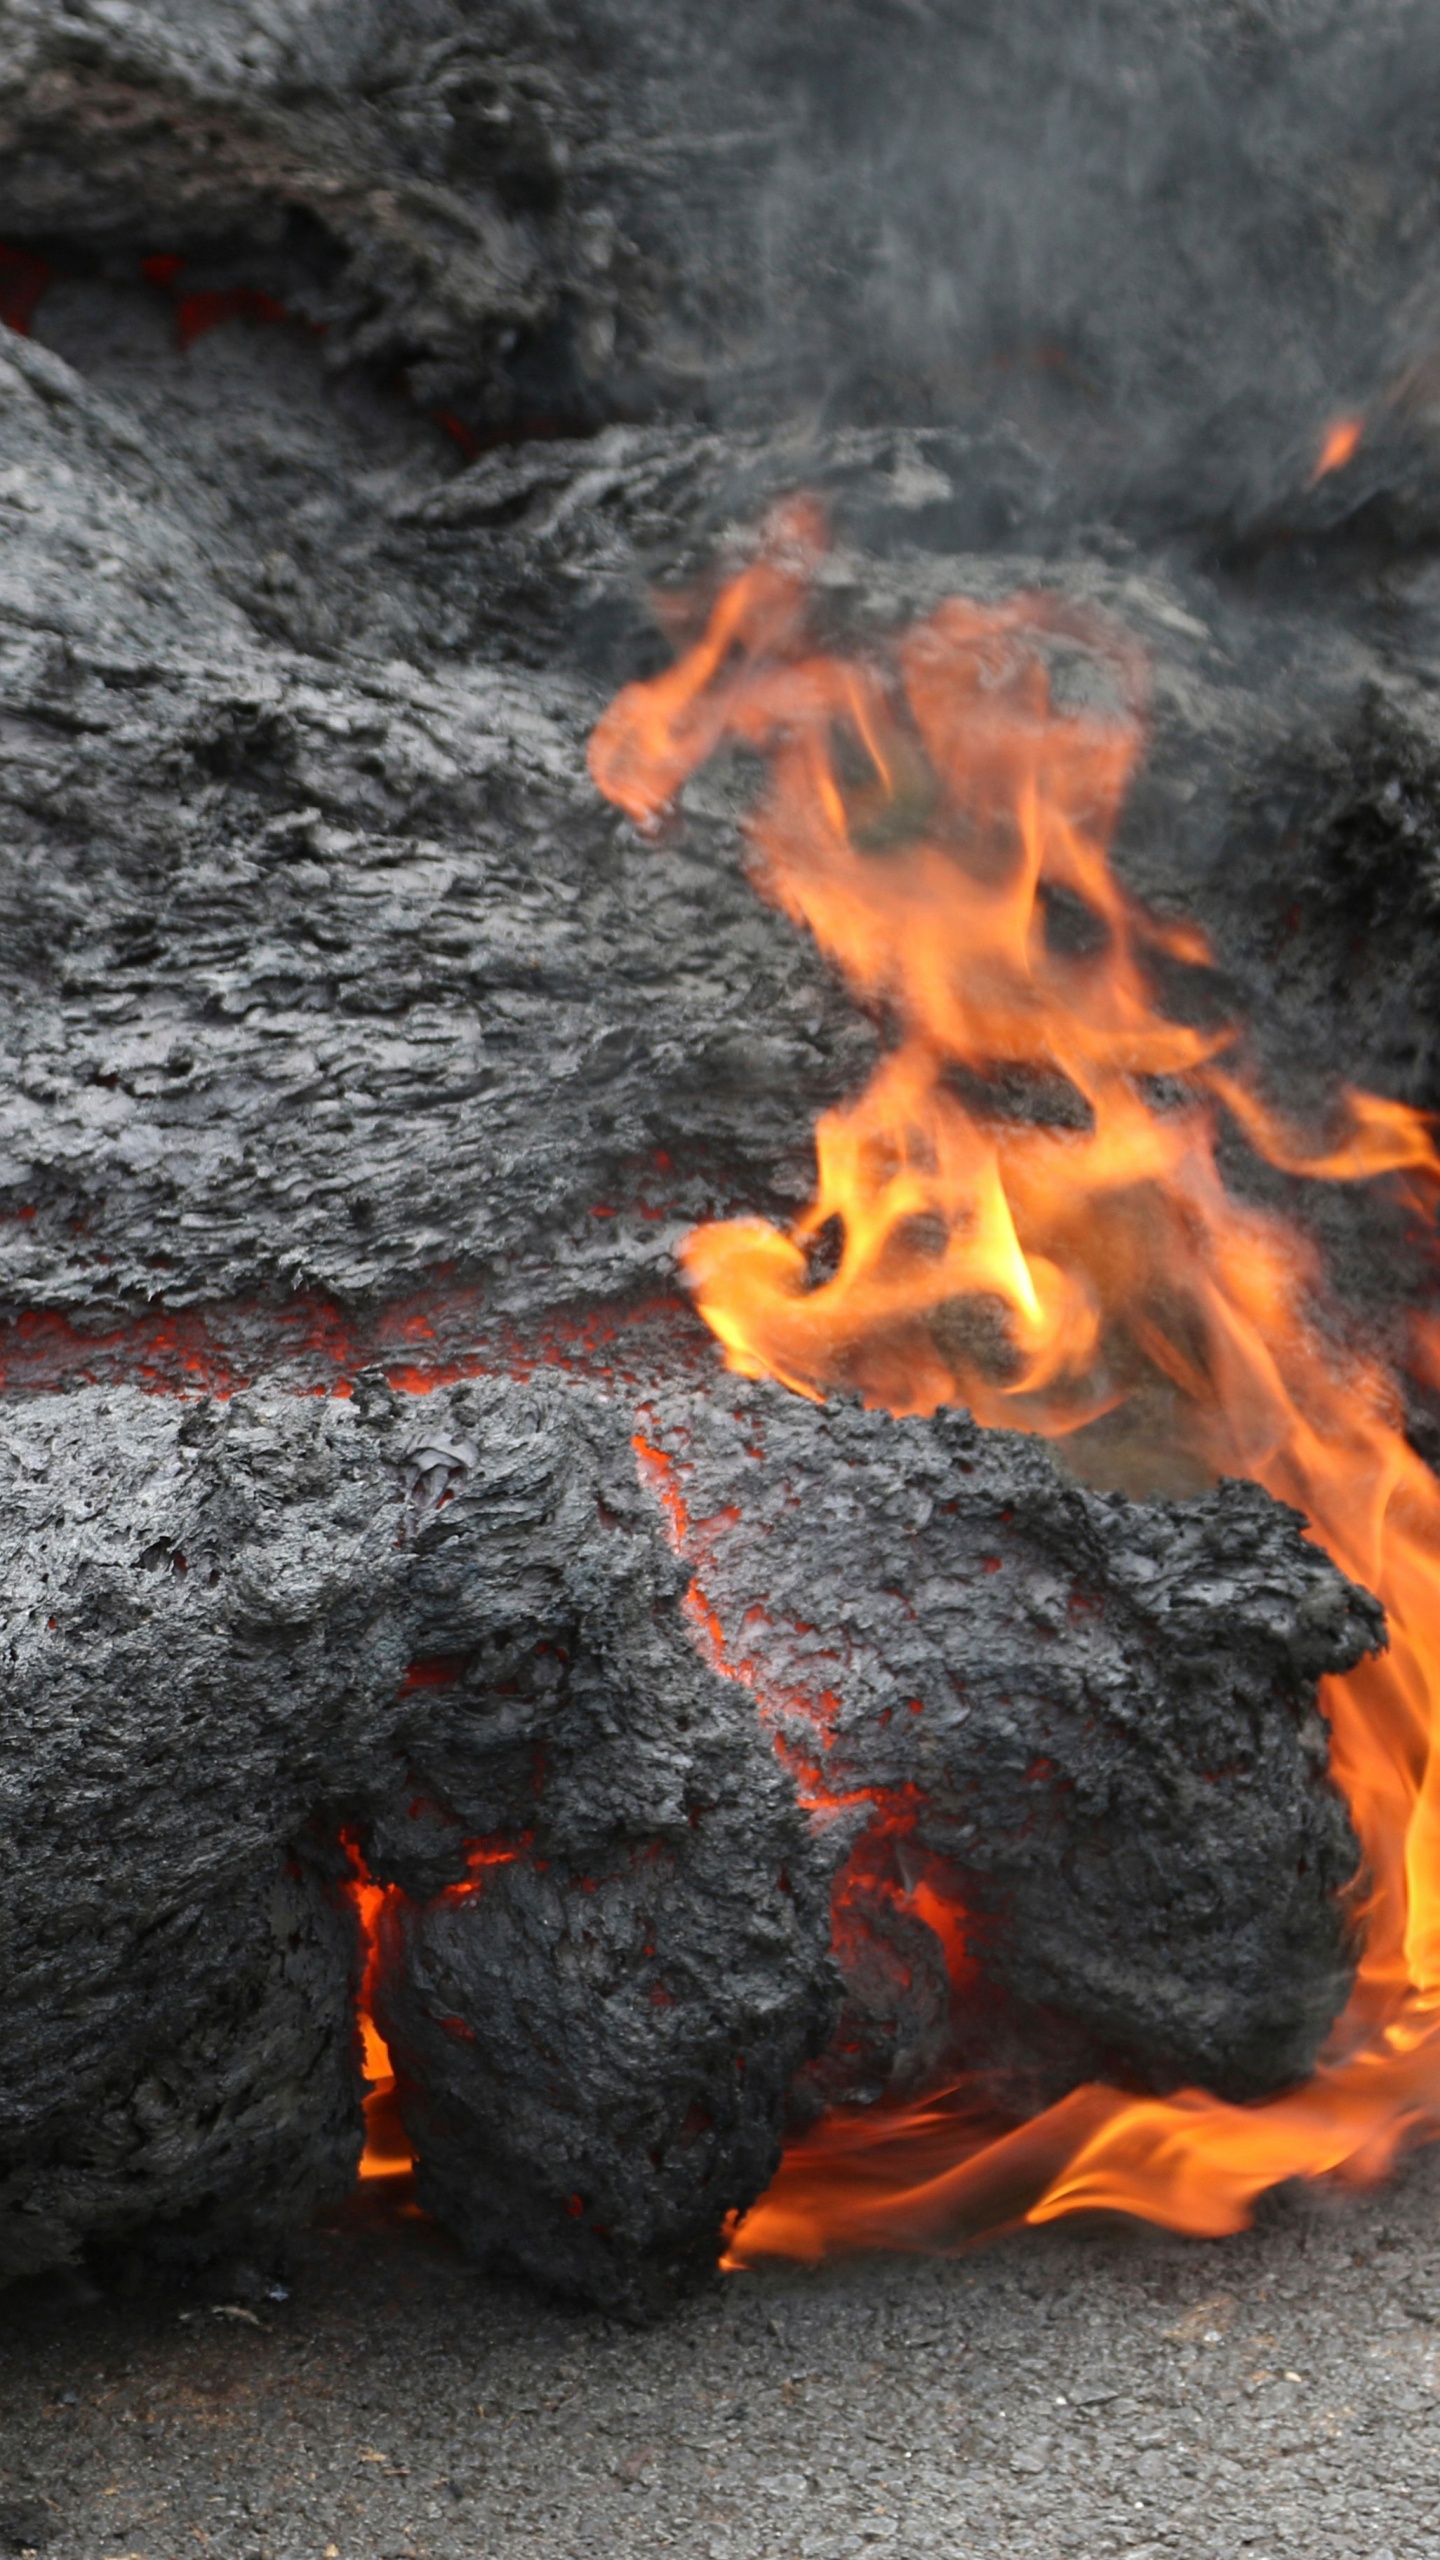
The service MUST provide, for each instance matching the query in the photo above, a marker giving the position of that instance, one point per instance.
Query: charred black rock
(1094, 1717)
(327, 969)
(210, 1619)
(343, 1023)
(456, 1632)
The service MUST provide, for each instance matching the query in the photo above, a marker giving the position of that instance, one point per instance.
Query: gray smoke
(1166, 238)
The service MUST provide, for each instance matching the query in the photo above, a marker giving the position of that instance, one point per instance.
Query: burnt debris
(458, 1635)
(351, 1042)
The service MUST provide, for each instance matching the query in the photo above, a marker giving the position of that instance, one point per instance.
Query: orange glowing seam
(1342, 441)
(924, 816)
(388, 2152)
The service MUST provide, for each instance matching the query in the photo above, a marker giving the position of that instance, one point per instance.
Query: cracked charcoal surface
(231, 1630)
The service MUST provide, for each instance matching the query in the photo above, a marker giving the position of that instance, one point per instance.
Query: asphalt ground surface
(1090, 2391)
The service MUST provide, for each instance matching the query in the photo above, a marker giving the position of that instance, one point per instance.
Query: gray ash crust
(455, 1628)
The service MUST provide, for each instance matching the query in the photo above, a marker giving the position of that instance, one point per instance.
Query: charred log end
(594, 2069)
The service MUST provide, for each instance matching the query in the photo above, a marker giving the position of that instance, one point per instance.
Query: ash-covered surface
(1062, 2392)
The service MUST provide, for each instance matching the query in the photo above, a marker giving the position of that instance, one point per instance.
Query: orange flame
(1341, 444)
(387, 2152)
(1029, 1218)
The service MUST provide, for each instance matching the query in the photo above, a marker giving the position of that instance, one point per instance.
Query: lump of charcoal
(453, 1627)
(1089, 1723)
(230, 1632)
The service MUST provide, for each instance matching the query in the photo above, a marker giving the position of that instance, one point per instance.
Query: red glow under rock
(496, 1851)
(24, 280)
(310, 1344)
(441, 1672)
(198, 313)
(387, 2152)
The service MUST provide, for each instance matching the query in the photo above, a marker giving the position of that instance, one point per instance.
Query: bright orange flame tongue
(1028, 1217)
(387, 2152)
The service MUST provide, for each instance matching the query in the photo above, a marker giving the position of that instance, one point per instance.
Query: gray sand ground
(1099, 2392)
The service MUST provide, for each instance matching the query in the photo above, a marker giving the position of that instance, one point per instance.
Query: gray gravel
(1105, 2391)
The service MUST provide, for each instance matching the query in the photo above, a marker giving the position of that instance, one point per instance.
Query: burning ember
(1024, 1213)
(387, 2152)
(1341, 444)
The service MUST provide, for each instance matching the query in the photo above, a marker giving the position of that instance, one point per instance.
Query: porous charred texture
(328, 969)
(1094, 1719)
(325, 973)
(455, 1631)
(229, 1632)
